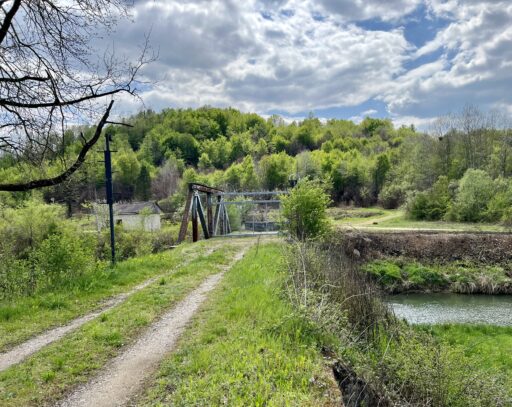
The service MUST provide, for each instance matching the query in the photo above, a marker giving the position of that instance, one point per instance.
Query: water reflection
(453, 308)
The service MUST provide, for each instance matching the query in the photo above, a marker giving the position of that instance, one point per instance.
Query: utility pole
(110, 195)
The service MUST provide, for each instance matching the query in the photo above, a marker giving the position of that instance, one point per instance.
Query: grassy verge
(403, 275)
(354, 216)
(402, 222)
(48, 374)
(247, 347)
(489, 346)
(24, 317)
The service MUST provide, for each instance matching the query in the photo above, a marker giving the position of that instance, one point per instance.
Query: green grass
(401, 275)
(48, 374)
(24, 317)
(247, 347)
(402, 222)
(489, 346)
(382, 219)
(354, 216)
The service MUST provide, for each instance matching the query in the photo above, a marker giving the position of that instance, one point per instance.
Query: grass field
(247, 347)
(402, 275)
(379, 218)
(490, 346)
(48, 374)
(24, 317)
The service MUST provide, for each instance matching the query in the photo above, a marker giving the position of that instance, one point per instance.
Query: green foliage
(476, 189)
(184, 146)
(402, 275)
(305, 210)
(369, 163)
(392, 195)
(385, 272)
(275, 170)
(126, 167)
(143, 184)
(61, 258)
(432, 204)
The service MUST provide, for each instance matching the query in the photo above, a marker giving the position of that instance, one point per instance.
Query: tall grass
(381, 360)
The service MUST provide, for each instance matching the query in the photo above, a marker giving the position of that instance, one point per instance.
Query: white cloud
(302, 55)
(369, 9)
(227, 53)
(474, 67)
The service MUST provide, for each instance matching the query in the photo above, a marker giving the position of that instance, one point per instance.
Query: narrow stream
(453, 308)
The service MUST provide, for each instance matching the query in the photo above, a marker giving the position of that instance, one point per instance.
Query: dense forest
(458, 171)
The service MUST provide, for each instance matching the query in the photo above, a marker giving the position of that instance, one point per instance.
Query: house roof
(135, 208)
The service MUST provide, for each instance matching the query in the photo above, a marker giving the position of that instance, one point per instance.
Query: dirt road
(124, 377)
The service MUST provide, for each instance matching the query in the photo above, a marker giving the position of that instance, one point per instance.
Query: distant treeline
(362, 164)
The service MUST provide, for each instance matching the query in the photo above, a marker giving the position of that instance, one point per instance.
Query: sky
(408, 60)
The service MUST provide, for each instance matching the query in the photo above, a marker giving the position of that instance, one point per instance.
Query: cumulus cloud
(474, 66)
(369, 9)
(303, 55)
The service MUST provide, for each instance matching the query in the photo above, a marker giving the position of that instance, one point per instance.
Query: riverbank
(408, 262)
(406, 275)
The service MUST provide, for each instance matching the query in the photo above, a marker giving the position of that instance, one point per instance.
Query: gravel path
(25, 349)
(124, 377)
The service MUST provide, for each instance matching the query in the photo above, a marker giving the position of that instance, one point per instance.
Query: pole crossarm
(193, 186)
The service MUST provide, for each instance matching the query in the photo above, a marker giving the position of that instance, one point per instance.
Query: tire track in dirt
(20, 352)
(126, 373)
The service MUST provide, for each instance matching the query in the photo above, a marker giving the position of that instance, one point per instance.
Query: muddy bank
(428, 248)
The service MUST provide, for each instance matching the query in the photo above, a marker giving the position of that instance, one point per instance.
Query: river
(453, 308)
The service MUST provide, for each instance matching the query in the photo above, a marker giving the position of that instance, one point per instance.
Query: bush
(305, 210)
(432, 204)
(24, 228)
(60, 259)
(392, 196)
(476, 189)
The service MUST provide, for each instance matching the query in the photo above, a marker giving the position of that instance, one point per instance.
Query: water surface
(453, 308)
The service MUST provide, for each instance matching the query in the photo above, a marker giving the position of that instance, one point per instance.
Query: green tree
(143, 184)
(379, 173)
(305, 210)
(275, 170)
(127, 167)
(476, 189)
(184, 146)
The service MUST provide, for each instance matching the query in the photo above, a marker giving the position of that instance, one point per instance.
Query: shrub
(476, 189)
(431, 204)
(392, 195)
(24, 228)
(305, 210)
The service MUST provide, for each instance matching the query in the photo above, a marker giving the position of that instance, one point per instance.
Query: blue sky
(409, 60)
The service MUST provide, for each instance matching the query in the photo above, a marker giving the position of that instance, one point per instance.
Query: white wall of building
(149, 223)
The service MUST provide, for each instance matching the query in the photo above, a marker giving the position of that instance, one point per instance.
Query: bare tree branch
(46, 182)
(4, 28)
(51, 78)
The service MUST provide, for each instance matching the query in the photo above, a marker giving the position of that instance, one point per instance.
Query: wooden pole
(209, 213)
(195, 228)
(184, 223)
(202, 219)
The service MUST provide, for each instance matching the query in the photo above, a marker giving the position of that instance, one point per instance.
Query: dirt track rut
(27, 348)
(123, 378)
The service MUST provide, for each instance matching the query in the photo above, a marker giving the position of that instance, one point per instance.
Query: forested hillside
(459, 171)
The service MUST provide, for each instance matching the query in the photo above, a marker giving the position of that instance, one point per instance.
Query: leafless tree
(167, 180)
(50, 78)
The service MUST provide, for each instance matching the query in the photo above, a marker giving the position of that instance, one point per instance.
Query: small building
(138, 215)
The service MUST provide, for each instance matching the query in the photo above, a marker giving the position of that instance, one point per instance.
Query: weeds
(383, 361)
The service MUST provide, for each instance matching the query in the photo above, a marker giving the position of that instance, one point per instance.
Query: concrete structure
(138, 215)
